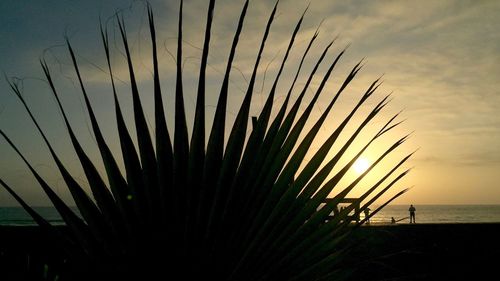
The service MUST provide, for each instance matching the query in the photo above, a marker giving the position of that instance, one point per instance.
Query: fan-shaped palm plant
(253, 209)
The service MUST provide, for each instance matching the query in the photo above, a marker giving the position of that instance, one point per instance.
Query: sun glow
(361, 165)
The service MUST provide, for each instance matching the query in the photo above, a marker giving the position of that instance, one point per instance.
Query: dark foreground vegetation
(390, 252)
(247, 202)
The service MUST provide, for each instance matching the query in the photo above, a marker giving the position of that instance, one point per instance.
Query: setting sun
(361, 165)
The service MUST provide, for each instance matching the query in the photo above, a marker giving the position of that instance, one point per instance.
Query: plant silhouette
(251, 209)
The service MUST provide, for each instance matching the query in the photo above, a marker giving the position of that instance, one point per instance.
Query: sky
(439, 59)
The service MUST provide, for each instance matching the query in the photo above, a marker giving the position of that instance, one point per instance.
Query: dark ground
(23, 252)
(429, 252)
(384, 252)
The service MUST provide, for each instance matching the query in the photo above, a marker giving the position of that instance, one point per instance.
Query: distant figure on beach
(412, 213)
(367, 214)
(393, 221)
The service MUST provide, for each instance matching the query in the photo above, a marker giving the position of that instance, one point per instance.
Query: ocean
(19, 217)
(439, 214)
(424, 214)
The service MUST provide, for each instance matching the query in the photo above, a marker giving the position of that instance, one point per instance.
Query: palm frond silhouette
(249, 209)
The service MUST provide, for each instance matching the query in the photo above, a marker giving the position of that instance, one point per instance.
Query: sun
(361, 165)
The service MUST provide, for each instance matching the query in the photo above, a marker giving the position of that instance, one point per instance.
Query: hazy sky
(441, 60)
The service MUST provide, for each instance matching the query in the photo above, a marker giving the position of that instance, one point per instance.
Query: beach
(455, 251)
(452, 251)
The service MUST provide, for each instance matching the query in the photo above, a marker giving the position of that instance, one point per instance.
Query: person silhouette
(412, 213)
(367, 214)
(393, 221)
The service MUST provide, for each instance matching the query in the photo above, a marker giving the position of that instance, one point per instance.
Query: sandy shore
(428, 252)
(384, 252)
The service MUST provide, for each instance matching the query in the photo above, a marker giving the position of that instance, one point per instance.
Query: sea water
(439, 214)
(424, 214)
(19, 217)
